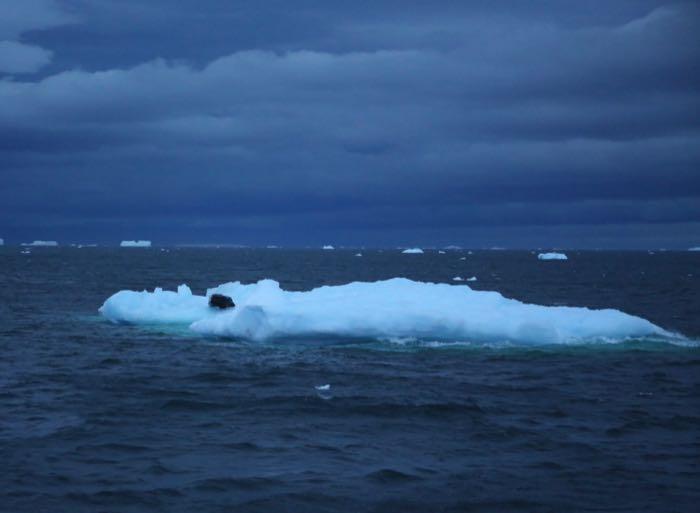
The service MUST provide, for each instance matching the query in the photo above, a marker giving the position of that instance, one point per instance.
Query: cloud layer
(363, 127)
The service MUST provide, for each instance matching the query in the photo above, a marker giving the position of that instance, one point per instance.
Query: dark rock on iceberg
(221, 301)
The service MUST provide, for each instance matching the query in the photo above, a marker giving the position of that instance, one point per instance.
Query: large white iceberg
(388, 309)
(552, 256)
(412, 251)
(135, 244)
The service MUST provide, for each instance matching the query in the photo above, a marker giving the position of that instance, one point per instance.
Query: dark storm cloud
(259, 115)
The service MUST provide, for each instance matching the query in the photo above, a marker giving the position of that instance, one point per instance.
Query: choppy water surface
(103, 417)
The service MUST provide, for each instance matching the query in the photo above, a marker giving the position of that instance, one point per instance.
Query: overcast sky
(380, 123)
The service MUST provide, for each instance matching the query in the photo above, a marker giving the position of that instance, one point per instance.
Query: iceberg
(457, 278)
(473, 278)
(358, 254)
(135, 244)
(552, 256)
(696, 248)
(2, 242)
(45, 243)
(328, 247)
(412, 251)
(382, 310)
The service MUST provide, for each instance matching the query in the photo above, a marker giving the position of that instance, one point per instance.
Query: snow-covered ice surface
(552, 256)
(135, 244)
(395, 308)
(412, 251)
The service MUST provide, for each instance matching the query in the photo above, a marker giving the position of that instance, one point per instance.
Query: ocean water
(96, 416)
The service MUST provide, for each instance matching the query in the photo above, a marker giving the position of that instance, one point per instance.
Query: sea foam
(387, 309)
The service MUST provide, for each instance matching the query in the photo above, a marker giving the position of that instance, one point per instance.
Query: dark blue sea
(101, 417)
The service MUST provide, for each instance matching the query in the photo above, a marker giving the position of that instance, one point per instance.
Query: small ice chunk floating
(41, 243)
(379, 310)
(552, 256)
(135, 244)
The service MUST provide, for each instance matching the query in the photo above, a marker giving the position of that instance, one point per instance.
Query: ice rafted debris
(377, 310)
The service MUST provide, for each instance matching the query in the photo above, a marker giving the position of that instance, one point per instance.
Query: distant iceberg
(473, 278)
(377, 310)
(358, 254)
(457, 278)
(696, 248)
(2, 242)
(328, 246)
(47, 243)
(412, 251)
(135, 244)
(552, 256)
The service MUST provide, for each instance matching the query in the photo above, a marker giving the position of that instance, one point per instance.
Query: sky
(368, 123)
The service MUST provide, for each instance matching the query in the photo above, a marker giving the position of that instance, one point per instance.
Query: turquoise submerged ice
(396, 308)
